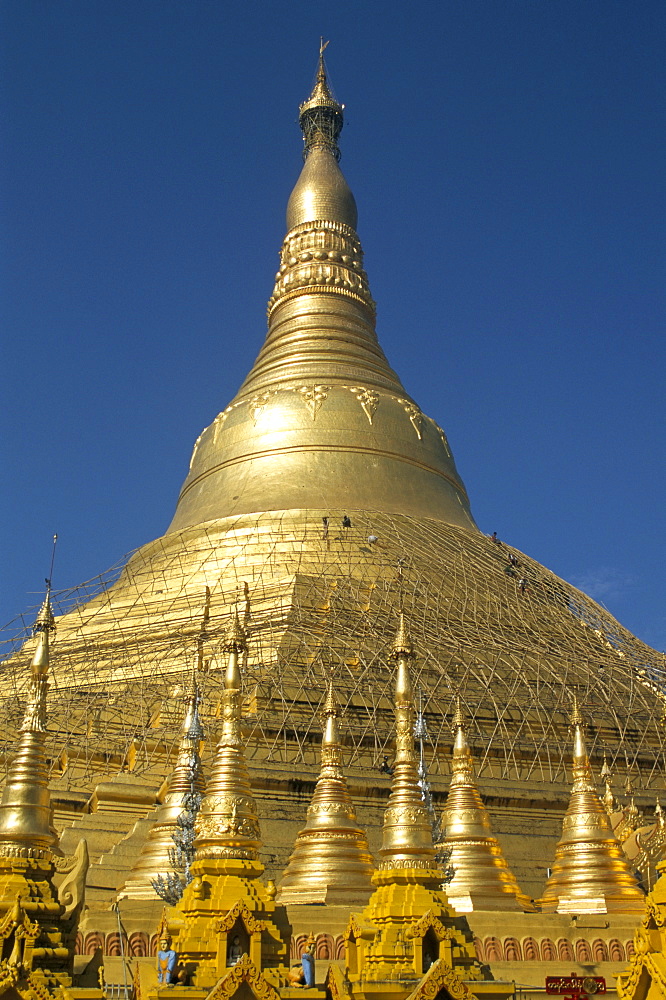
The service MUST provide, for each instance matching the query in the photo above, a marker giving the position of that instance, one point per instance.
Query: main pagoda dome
(322, 421)
(321, 502)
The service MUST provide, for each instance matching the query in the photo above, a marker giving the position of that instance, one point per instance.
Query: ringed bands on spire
(322, 256)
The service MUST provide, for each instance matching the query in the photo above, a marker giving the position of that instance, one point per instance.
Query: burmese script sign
(575, 987)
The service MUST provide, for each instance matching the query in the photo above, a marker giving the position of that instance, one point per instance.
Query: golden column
(408, 929)
(187, 779)
(226, 914)
(483, 879)
(591, 872)
(331, 862)
(38, 929)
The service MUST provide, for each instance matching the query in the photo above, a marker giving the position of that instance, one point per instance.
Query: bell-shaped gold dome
(331, 862)
(482, 878)
(322, 420)
(591, 871)
(321, 192)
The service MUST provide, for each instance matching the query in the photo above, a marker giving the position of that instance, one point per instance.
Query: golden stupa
(322, 501)
(482, 880)
(227, 918)
(591, 872)
(38, 920)
(331, 862)
(156, 860)
(408, 938)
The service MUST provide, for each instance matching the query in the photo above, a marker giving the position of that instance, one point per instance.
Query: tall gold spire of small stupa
(156, 858)
(227, 825)
(407, 834)
(482, 879)
(331, 862)
(608, 797)
(408, 923)
(591, 872)
(41, 925)
(25, 810)
(226, 915)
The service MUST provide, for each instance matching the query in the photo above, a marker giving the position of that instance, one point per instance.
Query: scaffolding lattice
(322, 601)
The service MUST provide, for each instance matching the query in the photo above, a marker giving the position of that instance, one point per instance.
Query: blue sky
(507, 158)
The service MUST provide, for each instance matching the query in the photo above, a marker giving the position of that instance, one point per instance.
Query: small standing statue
(308, 962)
(166, 963)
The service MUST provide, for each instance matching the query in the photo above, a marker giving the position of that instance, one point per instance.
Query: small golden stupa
(331, 862)
(227, 920)
(591, 871)
(38, 922)
(408, 931)
(608, 798)
(155, 860)
(482, 879)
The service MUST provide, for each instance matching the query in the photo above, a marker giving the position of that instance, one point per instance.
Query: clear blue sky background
(508, 162)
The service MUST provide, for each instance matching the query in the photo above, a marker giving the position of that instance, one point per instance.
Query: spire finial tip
(402, 644)
(458, 721)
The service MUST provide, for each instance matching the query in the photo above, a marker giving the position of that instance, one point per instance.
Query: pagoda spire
(321, 384)
(227, 825)
(482, 879)
(408, 924)
(608, 797)
(25, 810)
(156, 860)
(331, 862)
(591, 871)
(407, 832)
(321, 117)
(35, 913)
(226, 917)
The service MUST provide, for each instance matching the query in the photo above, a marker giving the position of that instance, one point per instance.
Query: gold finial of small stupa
(227, 825)
(391, 942)
(608, 798)
(25, 810)
(407, 833)
(402, 644)
(631, 810)
(591, 872)
(627, 819)
(185, 787)
(331, 862)
(482, 879)
(458, 720)
(235, 640)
